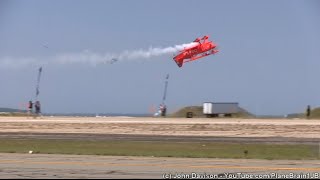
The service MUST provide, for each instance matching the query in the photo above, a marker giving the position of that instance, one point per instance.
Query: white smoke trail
(92, 58)
(12, 62)
(151, 52)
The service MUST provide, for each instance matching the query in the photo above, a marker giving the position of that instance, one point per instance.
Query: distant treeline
(11, 110)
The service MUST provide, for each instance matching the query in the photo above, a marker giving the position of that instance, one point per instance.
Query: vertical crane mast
(165, 90)
(38, 83)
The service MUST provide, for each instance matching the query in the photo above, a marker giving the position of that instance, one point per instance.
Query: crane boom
(38, 83)
(165, 89)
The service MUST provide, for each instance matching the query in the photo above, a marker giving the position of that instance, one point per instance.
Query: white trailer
(225, 109)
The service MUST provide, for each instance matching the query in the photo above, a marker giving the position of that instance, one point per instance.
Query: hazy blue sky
(269, 55)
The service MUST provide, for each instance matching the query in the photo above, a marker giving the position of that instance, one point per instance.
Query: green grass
(14, 114)
(161, 149)
(315, 113)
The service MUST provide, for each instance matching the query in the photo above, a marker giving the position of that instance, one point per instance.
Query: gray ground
(83, 166)
(281, 131)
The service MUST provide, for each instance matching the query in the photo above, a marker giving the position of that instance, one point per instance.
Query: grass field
(162, 149)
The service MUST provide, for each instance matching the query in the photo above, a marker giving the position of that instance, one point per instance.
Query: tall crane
(38, 83)
(163, 107)
(165, 89)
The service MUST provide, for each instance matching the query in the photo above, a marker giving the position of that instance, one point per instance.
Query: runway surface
(83, 166)
(289, 128)
(281, 131)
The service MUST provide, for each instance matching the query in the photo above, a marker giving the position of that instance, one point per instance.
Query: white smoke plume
(92, 58)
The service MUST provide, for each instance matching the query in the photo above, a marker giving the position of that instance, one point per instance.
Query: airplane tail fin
(179, 63)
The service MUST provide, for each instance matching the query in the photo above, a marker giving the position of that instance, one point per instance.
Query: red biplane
(201, 48)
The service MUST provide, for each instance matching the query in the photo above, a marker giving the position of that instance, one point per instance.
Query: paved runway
(149, 129)
(83, 166)
(289, 128)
